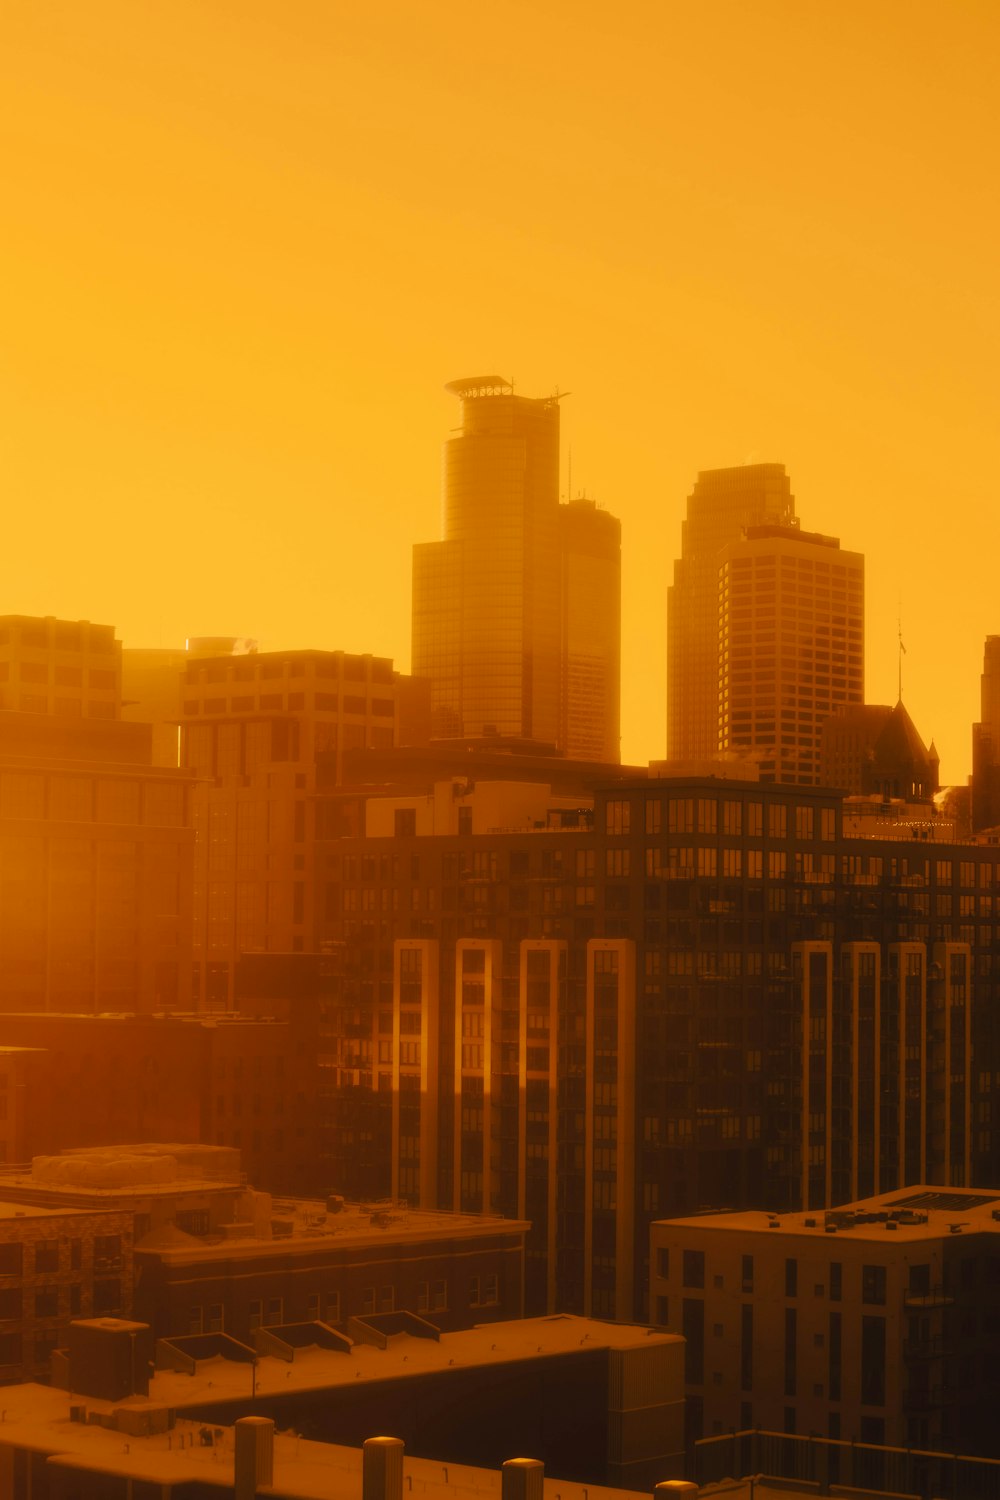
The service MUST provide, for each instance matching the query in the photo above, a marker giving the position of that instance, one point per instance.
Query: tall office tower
(791, 646)
(986, 742)
(591, 542)
(721, 505)
(500, 620)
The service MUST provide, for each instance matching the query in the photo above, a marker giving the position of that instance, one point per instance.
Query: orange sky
(244, 243)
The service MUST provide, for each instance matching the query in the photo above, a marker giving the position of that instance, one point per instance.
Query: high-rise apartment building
(791, 646)
(986, 742)
(515, 612)
(700, 993)
(720, 507)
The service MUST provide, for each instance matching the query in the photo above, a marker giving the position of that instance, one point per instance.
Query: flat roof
(314, 1226)
(37, 1419)
(918, 1212)
(13, 1210)
(218, 1380)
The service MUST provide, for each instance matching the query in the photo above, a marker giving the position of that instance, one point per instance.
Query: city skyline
(288, 238)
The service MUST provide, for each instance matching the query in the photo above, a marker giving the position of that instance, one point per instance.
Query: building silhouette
(516, 611)
(720, 507)
(872, 750)
(986, 742)
(791, 646)
(96, 842)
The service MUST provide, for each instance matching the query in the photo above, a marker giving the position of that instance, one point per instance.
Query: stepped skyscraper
(516, 611)
(723, 503)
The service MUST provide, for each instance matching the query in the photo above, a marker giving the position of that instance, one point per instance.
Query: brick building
(57, 1263)
(329, 1261)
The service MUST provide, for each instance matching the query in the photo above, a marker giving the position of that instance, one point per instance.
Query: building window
(46, 1256)
(873, 1285)
(663, 1263)
(618, 817)
(368, 1300)
(256, 1314)
(10, 1260)
(332, 1307)
(275, 1309)
(791, 1278)
(694, 1268)
(47, 1302)
(108, 1252)
(404, 822)
(107, 1298)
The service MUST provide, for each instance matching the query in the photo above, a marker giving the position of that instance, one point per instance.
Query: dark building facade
(704, 995)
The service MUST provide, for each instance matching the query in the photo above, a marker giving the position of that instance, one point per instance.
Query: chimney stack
(383, 1469)
(254, 1455)
(522, 1479)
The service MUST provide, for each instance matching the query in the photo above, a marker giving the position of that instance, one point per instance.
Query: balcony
(917, 1349)
(934, 1296)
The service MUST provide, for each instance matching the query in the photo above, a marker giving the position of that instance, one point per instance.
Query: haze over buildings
(721, 505)
(517, 610)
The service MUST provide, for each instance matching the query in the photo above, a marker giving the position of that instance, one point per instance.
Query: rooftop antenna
(902, 650)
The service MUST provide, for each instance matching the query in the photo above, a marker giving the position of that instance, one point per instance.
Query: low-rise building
(57, 1263)
(597, 1403)
(876, 1322)
(309, 1260)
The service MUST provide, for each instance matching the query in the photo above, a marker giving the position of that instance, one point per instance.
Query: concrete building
(253, 727)
(67, 668)
(117, 1450)
(96, 843)
(516, 618)
(791, 646)
(720, 507)
(71, 1081)
(874, 1323)
(598, 1403)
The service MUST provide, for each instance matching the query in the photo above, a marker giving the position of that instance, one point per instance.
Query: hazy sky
(244, 243)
